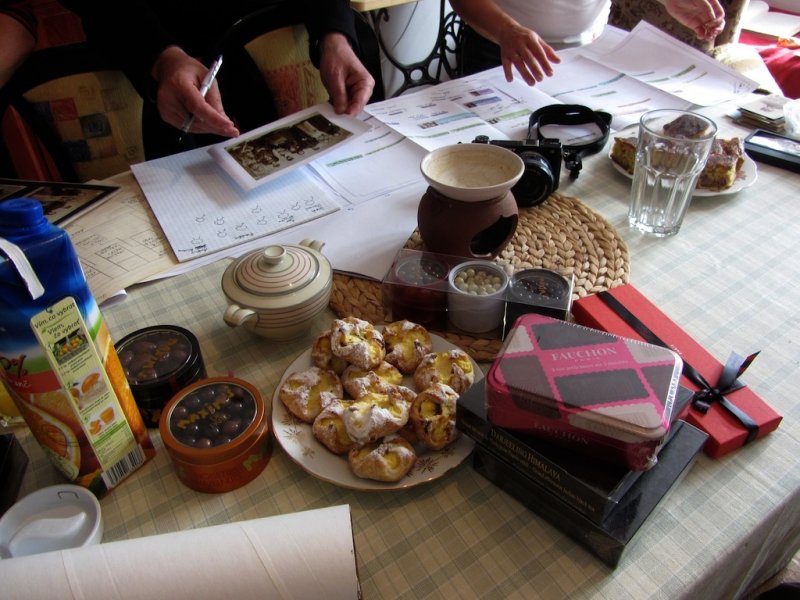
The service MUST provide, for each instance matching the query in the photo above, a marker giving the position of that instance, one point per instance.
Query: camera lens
(536, 183)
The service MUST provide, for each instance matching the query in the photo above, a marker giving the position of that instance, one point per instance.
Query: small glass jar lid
(540, 287)
(421, 270)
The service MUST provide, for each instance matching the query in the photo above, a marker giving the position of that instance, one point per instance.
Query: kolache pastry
(358, 382)
(406, 344)
(358, 342)
(376, 415)
(388, 459)
(329, 429)
(452, 367)
(433, 416)
(358, 399)
(322, 356)
(306, 393)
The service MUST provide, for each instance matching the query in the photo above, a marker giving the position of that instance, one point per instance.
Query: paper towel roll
(300, 555)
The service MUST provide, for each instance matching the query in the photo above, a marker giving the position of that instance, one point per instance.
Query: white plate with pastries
(297, 439)
(746, 177)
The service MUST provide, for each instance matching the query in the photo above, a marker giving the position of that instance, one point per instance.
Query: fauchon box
(602, 395)
(608, 539)
(734, 417)
(474, 297)
(593, 488)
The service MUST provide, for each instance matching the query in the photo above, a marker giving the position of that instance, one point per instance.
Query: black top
(136, 32)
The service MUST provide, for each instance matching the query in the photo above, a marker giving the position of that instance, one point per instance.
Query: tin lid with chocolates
(158, 362)
(212, 420)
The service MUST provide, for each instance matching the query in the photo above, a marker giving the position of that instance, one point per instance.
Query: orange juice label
(74, 360)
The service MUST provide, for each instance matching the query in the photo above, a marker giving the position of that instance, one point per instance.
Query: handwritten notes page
(202, 210)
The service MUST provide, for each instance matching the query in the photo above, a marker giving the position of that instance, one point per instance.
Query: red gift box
(623, 309)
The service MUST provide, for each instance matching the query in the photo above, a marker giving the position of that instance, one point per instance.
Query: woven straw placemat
(561, 234)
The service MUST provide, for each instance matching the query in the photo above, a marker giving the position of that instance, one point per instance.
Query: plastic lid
(53, 518)
(21, 216)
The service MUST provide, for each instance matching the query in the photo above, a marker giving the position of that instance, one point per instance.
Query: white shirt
(560, 22)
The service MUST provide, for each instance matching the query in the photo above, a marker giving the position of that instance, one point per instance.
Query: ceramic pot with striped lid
(277, 291)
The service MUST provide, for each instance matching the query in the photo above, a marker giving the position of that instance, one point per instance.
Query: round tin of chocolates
(159, 361)
(217, 434)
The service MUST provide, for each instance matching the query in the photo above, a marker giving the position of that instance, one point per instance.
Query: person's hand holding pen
(180, 78)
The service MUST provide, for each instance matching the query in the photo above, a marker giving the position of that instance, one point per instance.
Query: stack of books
(599, 504)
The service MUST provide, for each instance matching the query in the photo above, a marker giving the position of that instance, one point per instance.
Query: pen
(204, 87)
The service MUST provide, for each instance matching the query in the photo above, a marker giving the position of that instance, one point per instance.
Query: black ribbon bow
(707, 394)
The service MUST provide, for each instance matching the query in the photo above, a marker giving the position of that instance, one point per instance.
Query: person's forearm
(16, 42)
(484, 16)
(327, 16)
(127, 31)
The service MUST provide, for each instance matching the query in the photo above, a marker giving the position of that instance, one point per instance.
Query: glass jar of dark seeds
(540, 291)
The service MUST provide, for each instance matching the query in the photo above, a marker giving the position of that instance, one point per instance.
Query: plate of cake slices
(297, 435)
(728, 169)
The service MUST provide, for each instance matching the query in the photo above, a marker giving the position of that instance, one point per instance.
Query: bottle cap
(21, 216)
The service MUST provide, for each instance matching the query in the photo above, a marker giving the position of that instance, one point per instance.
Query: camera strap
(571, 114)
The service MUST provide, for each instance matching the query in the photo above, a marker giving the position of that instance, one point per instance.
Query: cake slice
(623, 152)
(722, 167)
(686, 126)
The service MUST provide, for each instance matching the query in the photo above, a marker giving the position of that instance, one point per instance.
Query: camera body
(542, 161)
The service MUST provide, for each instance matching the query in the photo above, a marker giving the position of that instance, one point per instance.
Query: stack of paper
(765, 112)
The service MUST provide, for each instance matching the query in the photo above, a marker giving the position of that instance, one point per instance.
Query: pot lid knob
(273, 255)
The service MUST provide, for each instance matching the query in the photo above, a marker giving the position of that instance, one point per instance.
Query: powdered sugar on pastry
(389, 459)
(433, 416)
(357, 381)
(452, 367)
(406, 344)
(306, 393)
(375, 415)
(358, 342)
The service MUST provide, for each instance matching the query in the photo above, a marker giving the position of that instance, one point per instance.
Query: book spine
(549, 475)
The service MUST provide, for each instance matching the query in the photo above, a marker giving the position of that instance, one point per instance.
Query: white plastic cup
(666, 170)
